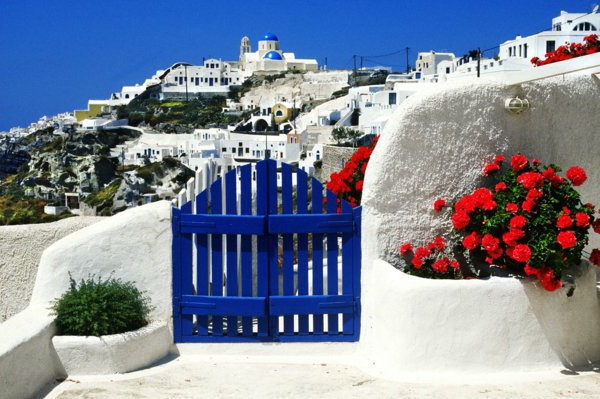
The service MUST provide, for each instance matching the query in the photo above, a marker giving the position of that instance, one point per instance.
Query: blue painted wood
(186, 271)
(246, 263)
(232, 251)
(223, 224)
(356, 258)
(224, 306)
(273, 248)
(347, 271)
(324, 223)
(302, 208)
(311, 304)
(332, 265)
(202, 261)
(262, 208)
(265, 301)
(176, 256)
(287, 207)
(317, 208)
(217, 254)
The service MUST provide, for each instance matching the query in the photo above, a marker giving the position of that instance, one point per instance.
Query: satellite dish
(595, 9)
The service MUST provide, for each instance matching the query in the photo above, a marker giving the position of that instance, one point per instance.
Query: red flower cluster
(529, 205)
(348, 183)
(569, 51)
(430, 256)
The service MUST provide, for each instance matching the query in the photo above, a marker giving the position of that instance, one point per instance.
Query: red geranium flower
(549, 281)
(460, 220)
(512, 236)
(576, 175)
(405, 248)
(500, 186)
(521, 253)
(439, 204)
(528, 206)
(422, 252)
(531, 180)
(566, 239)
(454, 264)
(512, 208)
(472, 241)
(517, 222)
(582, 219)
(596, 225)
(490, 168)
(518, 162)
(595, 257)
(441, 265)
(417, 262)
(564, 222)
(498, 160)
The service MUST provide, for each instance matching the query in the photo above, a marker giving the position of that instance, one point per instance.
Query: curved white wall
(21, 247)
(134, 245)
(436, 145)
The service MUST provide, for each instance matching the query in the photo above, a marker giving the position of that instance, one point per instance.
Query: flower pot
(110, 354)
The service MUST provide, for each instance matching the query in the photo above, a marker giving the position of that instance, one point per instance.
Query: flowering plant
(568, 51)
(532, 222)
(347, 184)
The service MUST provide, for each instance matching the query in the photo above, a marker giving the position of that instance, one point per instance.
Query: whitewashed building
(270, 57)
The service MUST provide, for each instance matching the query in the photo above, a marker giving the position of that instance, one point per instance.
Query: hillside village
(144, 141)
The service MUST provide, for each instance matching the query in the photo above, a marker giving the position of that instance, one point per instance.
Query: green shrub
(101, 307)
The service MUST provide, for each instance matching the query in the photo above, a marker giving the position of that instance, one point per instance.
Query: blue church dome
(270, 36)
(273, 55)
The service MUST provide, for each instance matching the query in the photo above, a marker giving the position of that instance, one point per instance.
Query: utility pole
(361, 62)
(354, 57)
(407, 65)
(325, 63)
(478, 62)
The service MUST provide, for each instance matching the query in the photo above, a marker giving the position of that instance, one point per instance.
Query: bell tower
(244, 49)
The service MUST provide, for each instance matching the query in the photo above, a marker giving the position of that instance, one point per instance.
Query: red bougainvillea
(569, 51)
(347, 184)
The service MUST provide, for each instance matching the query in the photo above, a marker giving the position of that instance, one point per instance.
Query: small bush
(101, 307)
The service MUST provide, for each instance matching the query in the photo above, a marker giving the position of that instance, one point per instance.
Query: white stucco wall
(134, 245)
(436, 145)
(21, 247)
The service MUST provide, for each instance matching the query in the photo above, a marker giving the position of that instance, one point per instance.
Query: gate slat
(202, 261)
(232, 256)
(186, 276)
(347, 275)
(273, 242)
(302, 208)
(332, 265)
(288, 244)
(262, 208)
(217, 254)
(317, 265)
(246, 263)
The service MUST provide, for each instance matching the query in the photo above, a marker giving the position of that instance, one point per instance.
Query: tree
(340, 134)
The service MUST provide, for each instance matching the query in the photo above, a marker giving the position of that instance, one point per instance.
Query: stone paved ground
(196, 377)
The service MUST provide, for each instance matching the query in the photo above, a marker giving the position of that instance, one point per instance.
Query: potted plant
(103, 327)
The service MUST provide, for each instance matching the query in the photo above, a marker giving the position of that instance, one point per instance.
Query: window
(525, 50)
(520, 50)
(224, 149)
(510, 51)
(248, 150)
(447, 69)
(550, 46)
(392, 98)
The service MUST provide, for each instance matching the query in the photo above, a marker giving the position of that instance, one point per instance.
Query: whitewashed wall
(21, 247)
(436, 145)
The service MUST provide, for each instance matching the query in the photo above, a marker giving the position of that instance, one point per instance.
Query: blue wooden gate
(255, 264)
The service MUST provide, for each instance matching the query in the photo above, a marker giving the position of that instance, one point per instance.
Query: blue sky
(55, 55)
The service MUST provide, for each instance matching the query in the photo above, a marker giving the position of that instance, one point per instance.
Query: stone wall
(21, 248)
(334, 159)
